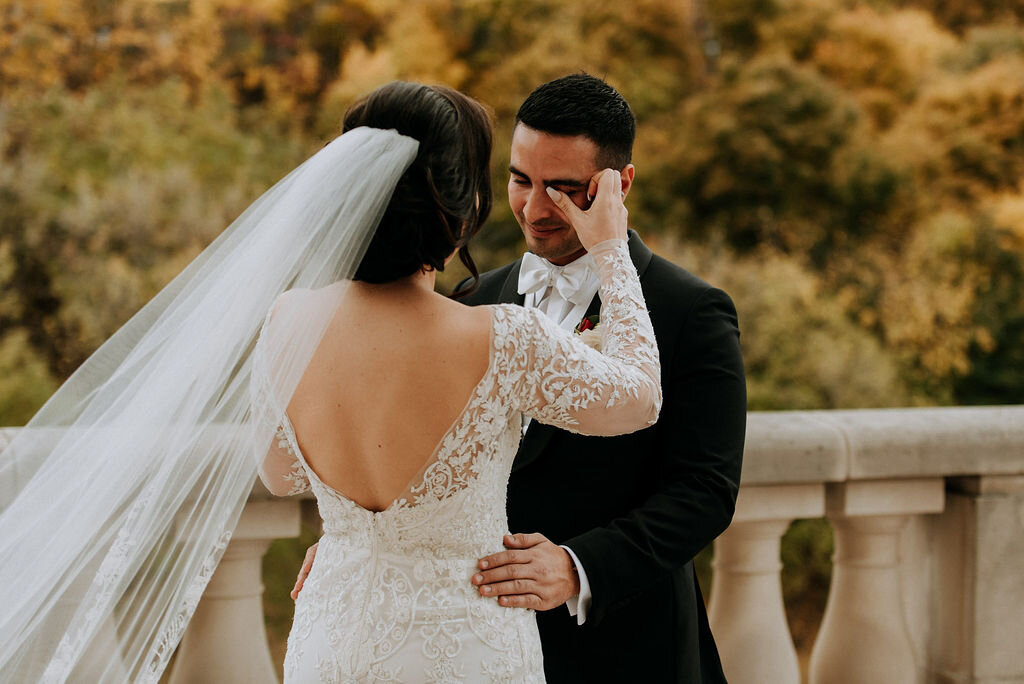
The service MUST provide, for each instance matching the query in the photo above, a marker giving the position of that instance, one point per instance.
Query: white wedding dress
(389, 598)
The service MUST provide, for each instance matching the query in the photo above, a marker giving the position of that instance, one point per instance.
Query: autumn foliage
(852, 172)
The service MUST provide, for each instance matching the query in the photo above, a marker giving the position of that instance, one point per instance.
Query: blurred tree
(77, 44)
(800, 348)
(773, 155)
(962, 14)
(996, 356)
(882, 57)
(108, 195)
(963, 137)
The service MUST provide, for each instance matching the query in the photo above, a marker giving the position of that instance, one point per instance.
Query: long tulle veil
(120, 495)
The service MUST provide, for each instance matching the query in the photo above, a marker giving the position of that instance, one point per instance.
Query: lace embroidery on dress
(296, 474)
(560, 381)
(389, 596)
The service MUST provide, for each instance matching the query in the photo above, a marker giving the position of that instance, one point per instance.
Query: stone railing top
(874, 444)
(867, 444)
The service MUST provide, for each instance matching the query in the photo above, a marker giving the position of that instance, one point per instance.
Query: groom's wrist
(579, 604)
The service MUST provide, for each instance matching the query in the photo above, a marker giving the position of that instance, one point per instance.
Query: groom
(614, 522)
(619, 597)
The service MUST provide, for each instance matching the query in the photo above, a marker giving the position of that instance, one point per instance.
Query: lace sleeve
(280, 469)
(556, 379)
(281, 472)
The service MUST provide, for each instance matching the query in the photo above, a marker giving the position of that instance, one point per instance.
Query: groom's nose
(539, 207)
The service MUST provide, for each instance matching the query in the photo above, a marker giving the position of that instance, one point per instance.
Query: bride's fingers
(609, 188)
(571, 211)
(591, 191)
(605, 219)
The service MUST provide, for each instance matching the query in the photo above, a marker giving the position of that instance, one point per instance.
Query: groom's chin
(551, 243)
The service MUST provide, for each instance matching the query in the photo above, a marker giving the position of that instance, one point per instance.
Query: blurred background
(852, 173)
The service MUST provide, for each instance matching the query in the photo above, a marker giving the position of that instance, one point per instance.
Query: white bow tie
(570, 281)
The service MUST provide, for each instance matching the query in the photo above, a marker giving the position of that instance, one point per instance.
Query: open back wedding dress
(389, 598)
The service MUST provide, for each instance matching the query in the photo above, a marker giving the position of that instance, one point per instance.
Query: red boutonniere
(587, 330)
(588, 323)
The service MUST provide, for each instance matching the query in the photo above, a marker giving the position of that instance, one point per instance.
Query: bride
(307, 343)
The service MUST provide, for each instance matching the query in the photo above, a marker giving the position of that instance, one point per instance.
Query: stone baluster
(226, 641)
(980, 581)
(864, 637)
(747, 614)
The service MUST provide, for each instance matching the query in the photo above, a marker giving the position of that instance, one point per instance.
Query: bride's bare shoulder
(304, 297)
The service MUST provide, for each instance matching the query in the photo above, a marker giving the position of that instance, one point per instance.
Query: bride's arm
(280, 469)
(281, 472)
(565, 383)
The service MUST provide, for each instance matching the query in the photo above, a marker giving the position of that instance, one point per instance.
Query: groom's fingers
(503, 558)
(307, 565)
(523, 601)
(509, 587)
(523, 541)
(532, 573)
(513, 542)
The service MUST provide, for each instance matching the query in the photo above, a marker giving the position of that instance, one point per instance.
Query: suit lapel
(509, 293)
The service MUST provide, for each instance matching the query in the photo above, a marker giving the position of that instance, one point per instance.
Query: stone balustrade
(927, 506)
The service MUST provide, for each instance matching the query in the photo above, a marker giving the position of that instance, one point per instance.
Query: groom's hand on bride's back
(532, 573)
(307, 565)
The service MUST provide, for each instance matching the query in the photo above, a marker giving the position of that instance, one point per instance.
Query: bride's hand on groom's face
(606, 216)
(532, 573)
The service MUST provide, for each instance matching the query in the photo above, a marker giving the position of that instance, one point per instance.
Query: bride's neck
(416, 285)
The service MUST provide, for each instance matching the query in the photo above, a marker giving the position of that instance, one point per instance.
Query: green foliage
(757, 156)
(800, 348)
(26, 383)
(823, 145)
(960, 15)
(108, 195)
(806, 552)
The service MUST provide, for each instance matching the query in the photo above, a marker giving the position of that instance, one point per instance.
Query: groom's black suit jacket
(637, 508)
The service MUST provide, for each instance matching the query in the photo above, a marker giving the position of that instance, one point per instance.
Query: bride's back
(394, 369)
(398, 362)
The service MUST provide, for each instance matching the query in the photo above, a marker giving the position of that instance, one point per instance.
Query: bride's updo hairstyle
(445, 196)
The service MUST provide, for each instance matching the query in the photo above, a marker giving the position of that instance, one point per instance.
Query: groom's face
(565, 163)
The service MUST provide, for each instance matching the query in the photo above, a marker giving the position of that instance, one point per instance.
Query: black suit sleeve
(700, 440)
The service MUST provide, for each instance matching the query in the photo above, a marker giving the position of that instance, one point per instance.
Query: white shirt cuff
(579, 605)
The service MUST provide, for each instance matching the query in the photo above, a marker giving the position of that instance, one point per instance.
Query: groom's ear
(627, 179)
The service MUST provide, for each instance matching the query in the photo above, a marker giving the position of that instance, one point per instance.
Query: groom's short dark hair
(581, 104)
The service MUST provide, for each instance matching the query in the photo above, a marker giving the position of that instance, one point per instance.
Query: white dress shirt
(545, 292)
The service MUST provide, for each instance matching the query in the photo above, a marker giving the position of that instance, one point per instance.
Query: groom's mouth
(543, 231)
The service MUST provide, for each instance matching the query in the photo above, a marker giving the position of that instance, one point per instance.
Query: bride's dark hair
(445, 196)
